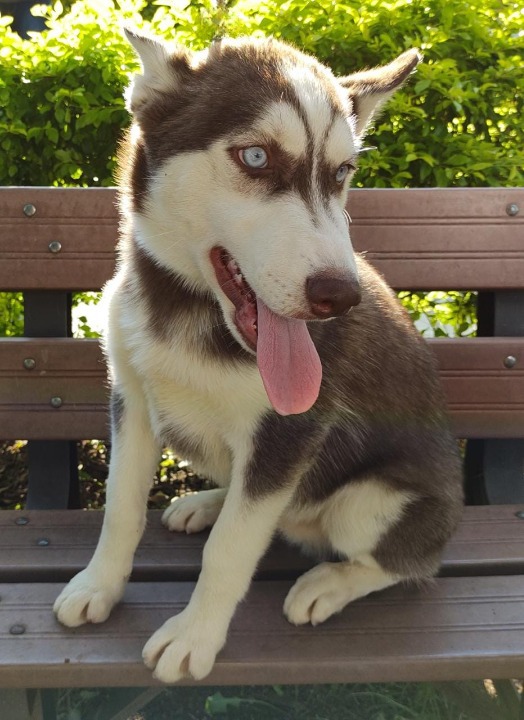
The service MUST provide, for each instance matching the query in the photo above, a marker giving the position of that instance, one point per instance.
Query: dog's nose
(331, 295)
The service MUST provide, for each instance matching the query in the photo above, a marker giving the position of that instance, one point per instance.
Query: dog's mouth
(286, 356)
(237, 289)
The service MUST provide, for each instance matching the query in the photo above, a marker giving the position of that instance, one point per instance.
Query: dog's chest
(206, 409)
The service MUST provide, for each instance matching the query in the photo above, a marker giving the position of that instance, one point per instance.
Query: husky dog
(230, 339)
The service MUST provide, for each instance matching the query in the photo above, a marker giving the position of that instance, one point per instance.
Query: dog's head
(242, 162)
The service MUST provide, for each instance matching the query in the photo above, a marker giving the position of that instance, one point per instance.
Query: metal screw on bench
(17, 629)
(22, 521)
(512, 209)
(510, 361)
(55, 246)
(520, 514)
(29, 210)
(29, 363)
(56, 402)
(42, 542)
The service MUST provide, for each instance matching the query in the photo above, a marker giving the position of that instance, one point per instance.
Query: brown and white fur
(369, 473)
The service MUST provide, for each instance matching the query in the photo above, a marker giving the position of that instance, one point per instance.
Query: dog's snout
(332, 295)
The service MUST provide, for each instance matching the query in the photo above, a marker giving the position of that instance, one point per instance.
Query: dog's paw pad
(179, 650)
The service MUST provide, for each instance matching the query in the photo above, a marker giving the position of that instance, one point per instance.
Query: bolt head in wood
(17, 629)
(22, 521)
(42, 542)
(29, 363)
(520, 514)
(55, 246)
(56, 402)
(512, 209)
(510, 361)
(29, 210)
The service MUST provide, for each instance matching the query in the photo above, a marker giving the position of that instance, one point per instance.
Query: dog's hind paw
(316, 595)
(193, 513)
(182, 648)
(329, 587)
(86, 600)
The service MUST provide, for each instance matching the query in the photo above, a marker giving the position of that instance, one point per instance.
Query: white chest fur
(207, 402)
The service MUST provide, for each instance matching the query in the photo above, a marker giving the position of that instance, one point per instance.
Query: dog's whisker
(157, 235)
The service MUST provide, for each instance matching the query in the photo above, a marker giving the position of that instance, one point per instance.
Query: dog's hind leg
(91, 594)
(352, 521)
(387, 535)
(195, 512)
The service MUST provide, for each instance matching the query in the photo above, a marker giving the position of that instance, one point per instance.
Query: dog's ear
(370, 89)
(164, 69)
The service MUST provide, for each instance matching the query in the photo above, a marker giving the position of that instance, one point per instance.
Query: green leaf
(51, 134)
(422, 85)
(217, 704)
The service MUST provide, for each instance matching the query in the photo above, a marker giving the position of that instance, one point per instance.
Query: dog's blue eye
(254, 157)
(342, 173)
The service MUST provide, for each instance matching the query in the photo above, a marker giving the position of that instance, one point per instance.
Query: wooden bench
(468, 624)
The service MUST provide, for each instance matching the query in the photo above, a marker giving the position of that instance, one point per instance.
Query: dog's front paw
(182, 647)
(193, 513)
(86, 599)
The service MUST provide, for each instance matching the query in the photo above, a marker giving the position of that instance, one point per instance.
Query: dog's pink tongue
(288, 362)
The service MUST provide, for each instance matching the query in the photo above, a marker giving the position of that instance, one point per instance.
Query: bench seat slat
(424, 239)
(489, 540)
(458, 628)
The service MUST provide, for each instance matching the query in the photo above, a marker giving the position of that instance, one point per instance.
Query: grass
(392, 701)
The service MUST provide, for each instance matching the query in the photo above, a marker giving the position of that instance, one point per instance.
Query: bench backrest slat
(83, 220)
(455, 238)
(485, 397)
(419, 239)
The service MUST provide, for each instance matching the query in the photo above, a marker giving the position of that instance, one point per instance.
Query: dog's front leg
(91, 594)
(188, 643)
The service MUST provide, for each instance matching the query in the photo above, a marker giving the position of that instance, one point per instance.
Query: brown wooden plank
(69, 369)
(422, 239)
(449, 238)
(489, 540)
(456, 629)
(34, 422)
(72, 536)
(486, 399)
(83, 220)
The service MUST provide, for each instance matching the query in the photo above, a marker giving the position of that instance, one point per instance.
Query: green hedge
(458, 122)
